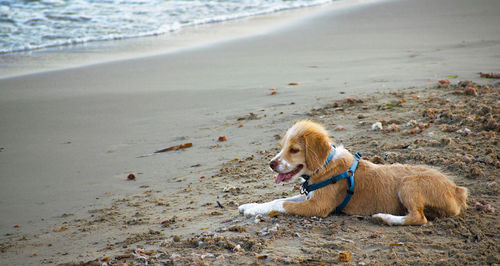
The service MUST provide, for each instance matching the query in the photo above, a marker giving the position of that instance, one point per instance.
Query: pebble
(259, 218)
(377, 126)
(465, 131)
(484, 207)
(238, 248)
(468, 158)
(471, 91)
(345, 256)
(377, 160)
(207, 255)
(411, 123)
(229, 188)
(392, 128)
(340, 128)
(443, 82)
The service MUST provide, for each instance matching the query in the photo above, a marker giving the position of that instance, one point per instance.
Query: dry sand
(69, 138)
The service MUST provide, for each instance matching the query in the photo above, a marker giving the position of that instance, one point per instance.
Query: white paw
(244, 207)
(261, 208)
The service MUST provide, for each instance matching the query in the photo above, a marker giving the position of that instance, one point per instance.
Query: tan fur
(376, 186)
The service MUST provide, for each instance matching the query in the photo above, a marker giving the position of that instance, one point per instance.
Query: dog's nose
(273, 164)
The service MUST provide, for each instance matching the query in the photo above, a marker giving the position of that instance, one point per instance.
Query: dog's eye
(293, 150)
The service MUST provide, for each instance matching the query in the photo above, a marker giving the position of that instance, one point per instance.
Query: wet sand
(69, 138)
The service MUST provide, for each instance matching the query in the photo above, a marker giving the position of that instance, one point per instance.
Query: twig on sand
(172, 148)
(176, 147)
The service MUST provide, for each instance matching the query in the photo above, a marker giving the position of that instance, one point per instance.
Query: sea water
(35, 24)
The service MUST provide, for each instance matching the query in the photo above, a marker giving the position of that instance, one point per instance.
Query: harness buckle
(304, 190)
(350, 173)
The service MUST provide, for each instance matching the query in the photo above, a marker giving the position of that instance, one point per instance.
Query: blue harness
(349, 174)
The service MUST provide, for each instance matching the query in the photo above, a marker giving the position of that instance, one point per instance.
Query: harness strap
(349, 174)
(328, 159)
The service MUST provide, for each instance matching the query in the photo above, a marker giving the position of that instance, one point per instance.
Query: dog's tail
(461, 194)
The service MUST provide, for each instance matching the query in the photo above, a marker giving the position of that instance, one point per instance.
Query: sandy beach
(70, 137)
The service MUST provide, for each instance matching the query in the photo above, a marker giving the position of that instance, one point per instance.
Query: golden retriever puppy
(335, 179)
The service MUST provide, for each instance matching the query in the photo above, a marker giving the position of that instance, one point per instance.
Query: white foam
(29, 25)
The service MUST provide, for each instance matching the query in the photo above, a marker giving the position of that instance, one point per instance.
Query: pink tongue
(281, 177)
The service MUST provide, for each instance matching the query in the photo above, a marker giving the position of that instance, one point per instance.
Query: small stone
(222, 138)
(411, 123)
(484, 207)
(444, 82)
(261, 256)
(465, 131)
(377, 159)
(238, 249)
(345, 256)
(273, 214)
(131, 177)
(468, 158)
(471, 91)
(340, 128)
(60, 229)
(229, 188)
(236, 228)
(350, 100)
(175, 256)
(207, 255)
(392, 128)
(259, 218)
(476, 172)
(377, 126)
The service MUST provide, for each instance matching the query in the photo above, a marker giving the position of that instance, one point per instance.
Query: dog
(335, 179)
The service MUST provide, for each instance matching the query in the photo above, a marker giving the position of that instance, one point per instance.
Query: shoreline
(70, 137)
(192, 37)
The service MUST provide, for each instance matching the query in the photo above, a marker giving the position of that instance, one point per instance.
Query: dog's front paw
(246, 207)
(261, 208)
(251, 209)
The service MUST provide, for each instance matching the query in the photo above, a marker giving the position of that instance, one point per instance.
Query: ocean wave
(31, 25)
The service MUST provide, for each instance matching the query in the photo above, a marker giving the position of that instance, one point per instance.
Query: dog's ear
(317, 147)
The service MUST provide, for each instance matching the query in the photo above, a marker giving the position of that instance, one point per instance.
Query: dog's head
(304, 148)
